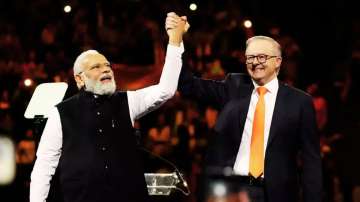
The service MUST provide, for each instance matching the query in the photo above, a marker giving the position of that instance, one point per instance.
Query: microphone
(174, 180)
(162, 183)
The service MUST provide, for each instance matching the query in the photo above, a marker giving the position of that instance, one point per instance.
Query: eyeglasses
(261, 58)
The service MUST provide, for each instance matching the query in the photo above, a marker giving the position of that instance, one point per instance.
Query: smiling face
(96, 75)
(267, 68)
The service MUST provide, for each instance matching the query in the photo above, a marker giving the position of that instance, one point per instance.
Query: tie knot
(261, 90)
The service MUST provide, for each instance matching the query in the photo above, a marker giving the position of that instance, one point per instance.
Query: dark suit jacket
(293, 134)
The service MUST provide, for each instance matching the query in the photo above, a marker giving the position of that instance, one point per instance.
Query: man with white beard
(90, 138)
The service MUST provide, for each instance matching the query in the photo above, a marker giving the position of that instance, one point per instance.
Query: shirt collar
(271, 86)
(92, 96)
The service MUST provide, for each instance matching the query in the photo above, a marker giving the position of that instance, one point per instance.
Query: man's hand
(175, 27)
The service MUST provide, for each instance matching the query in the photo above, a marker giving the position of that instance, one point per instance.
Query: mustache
(106, 76)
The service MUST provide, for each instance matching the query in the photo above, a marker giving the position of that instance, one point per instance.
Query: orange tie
(257, 137)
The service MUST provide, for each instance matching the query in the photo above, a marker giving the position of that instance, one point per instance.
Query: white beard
(99, 88)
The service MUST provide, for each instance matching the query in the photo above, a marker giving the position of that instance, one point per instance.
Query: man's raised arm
(147, 99)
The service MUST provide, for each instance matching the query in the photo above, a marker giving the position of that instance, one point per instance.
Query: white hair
(266, 38)
(78, 64)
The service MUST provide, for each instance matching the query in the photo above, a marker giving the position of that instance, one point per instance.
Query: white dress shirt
(140, 102)
(241, 166)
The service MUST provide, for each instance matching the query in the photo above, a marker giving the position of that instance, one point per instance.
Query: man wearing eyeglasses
(264, 126)
(90, 136)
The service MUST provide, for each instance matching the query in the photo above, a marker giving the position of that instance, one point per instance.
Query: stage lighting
(67, 9)
(193, 7)
(7, 160)
(247, 24)
(28, 82)
(219, 189)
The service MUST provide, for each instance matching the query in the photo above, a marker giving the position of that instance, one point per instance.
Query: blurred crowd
(42, 44)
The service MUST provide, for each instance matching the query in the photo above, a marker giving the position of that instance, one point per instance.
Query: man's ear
(278, 62)
(79, 81)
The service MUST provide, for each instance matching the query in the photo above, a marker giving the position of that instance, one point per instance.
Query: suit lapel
(243, 107)
(279, 113)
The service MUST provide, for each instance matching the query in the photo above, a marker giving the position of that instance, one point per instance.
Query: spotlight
(193, 6)
(28, 82)
(7, 161)
(219, 189)
(67, 9)
(247, 24)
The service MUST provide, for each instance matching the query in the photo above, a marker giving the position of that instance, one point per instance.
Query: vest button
(100, 130)
(98, 113)
(103, 148)
(106, 166)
